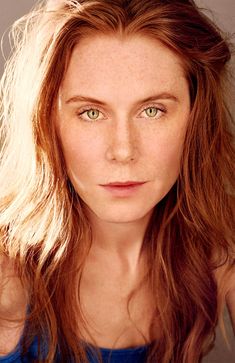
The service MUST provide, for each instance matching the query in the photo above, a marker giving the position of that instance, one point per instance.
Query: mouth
(123, 184)
(123, 189)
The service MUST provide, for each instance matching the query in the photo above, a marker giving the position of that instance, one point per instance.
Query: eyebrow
(164, 95)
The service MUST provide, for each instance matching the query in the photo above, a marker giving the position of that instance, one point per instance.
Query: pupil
(93, 113)
(152, 111)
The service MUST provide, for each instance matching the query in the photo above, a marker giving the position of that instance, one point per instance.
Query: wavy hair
(43, 225)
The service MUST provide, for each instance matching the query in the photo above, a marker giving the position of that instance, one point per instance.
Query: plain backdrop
(223, 13)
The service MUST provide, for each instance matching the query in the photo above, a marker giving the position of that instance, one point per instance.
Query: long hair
(43, 225)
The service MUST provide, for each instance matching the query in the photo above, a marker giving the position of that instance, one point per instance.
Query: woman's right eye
(92, 114)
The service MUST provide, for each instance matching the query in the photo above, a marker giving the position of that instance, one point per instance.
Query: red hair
(190, 234)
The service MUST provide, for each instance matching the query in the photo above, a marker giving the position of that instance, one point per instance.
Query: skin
(13, 305)
(230, 300)
(127, 139)
(124, 141)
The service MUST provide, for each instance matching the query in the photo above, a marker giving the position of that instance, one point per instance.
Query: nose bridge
(123, 139)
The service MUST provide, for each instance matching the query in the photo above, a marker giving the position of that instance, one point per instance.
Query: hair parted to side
(43, 226)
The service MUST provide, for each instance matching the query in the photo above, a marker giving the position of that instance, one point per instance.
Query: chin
(118, 216)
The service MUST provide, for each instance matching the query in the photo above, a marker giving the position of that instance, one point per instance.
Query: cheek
(166, 154)
(80, 152)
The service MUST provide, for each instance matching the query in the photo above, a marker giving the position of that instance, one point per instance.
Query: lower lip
(123, 191)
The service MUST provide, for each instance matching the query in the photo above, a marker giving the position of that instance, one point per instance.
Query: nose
(122, 145)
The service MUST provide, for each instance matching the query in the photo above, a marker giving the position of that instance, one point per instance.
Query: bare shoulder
(230, 297)
(13, 304)
(225, 278)
(6, 266)
(12, 293)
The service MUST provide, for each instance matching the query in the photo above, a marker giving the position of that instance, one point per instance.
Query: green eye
(93, 114)
(151, 111)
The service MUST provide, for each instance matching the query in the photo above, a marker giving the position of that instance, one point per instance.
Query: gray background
(223, 12)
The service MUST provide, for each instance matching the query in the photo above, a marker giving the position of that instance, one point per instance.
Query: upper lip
(124, 183)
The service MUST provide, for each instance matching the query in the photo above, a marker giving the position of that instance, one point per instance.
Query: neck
(122, 242)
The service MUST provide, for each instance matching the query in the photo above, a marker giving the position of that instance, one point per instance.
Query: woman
(117, 187)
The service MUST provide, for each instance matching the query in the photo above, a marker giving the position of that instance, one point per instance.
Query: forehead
(103, 61)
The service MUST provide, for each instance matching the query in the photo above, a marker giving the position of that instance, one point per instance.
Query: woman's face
(122, 114)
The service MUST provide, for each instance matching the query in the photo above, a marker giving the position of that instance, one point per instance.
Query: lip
(123, 189)
(127, 183)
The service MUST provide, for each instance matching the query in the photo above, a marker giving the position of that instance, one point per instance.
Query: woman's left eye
(154, 112)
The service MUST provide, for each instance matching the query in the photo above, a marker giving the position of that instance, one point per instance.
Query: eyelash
(86, 109)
